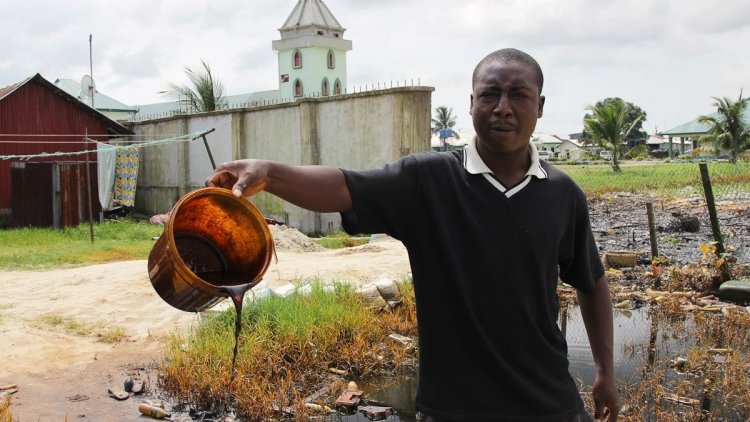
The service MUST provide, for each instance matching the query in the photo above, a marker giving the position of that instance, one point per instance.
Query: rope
(181, 138)
(76, 135)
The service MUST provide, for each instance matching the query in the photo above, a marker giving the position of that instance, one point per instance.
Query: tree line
(613, 124)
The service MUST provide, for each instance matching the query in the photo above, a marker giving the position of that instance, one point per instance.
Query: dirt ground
(62, 375)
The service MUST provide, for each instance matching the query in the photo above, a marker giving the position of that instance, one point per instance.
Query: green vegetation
(340, 240)
(444, 119)
(205, 94)
(287, 348)
(70, 325)
(112, 335)
(635, 116)
(610, 124)
(660, 179)
(44, 248)
(729, 130)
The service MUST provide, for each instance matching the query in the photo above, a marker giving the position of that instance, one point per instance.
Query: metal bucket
(211, 239)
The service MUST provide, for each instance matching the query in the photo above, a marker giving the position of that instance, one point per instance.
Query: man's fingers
(222, 179)
(239, 188)
(598, 410)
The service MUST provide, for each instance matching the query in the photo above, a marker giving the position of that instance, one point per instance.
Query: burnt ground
(620, 222)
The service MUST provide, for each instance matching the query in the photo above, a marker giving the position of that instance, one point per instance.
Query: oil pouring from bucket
(214, 246)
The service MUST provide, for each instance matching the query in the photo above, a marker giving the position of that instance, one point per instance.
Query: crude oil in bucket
(214, 246)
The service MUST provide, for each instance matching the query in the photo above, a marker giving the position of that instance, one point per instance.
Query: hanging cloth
(126, 175)
(105, 157)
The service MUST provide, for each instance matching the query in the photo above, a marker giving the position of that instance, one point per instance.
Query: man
(489, 230)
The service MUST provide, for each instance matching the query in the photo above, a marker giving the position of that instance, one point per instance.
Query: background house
(687, 136)
(104, 104)
(558, 147)
(38, 117)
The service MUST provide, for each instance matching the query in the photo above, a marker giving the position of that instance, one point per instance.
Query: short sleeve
(381, 198)
(583, 266)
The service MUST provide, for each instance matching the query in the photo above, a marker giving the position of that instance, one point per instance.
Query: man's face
(505, 105)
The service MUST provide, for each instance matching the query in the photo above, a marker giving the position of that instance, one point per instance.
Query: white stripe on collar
(475, 165)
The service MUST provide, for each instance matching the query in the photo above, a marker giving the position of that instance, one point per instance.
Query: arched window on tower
(331, 59)
(337, 87)
(297, 59)
(298, 88)
(325, 88)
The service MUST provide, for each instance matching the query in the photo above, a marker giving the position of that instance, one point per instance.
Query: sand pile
(291, 239)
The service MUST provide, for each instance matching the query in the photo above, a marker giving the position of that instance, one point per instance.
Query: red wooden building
(38, 117)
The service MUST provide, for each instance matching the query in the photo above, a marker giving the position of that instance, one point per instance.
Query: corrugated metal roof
(101, 102)
(311, 13)
(10, 88)
(115, 127)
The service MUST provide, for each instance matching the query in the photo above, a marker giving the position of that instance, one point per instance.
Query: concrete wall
(354, 131)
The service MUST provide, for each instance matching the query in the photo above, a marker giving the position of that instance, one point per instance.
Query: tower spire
(312, 52)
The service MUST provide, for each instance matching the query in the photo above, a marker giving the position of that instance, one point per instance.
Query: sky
(669, 57)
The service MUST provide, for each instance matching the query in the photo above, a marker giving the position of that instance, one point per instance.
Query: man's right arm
(316, 188)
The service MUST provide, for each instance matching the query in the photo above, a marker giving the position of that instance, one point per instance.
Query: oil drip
(235, 286)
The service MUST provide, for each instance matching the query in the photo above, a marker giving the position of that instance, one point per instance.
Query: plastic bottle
(153, 411)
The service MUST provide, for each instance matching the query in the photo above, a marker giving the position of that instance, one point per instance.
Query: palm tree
(206, 94)
(608, 125)
(728, 130)
(444, 119)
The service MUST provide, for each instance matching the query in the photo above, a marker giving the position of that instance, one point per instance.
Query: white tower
(312, 52)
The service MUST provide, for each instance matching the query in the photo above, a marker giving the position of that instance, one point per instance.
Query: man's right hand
(316, 188)
(243, 177)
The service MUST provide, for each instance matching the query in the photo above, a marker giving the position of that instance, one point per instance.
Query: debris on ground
(77, 397)
(118, 394)
(349, 399)
(7, 391)
(375, 413)
(153, 411)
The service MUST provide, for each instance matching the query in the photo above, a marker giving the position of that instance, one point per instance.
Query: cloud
(667, 56)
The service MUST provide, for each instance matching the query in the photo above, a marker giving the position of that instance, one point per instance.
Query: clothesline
(78, 135)
(108, 147)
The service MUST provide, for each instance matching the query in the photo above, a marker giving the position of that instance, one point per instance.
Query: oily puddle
(662, 362)
(398, 391)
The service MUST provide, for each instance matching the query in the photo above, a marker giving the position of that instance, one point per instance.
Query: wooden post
(715, 228)
(654, 246)
(652, 230)
(88, 186)
(711, 204)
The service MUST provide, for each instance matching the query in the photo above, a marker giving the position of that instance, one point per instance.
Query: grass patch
(4, 306)
(340, 240)
(71, 326)
(286, 349)
(6, 410)
(660, 179)
(46, 248)
(112, 335)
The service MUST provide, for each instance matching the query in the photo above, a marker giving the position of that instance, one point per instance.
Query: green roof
(696, 128)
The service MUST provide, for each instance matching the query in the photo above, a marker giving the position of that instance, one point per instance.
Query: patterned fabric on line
(126, 176)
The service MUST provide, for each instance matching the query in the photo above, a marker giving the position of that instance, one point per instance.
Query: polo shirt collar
(475, 165)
